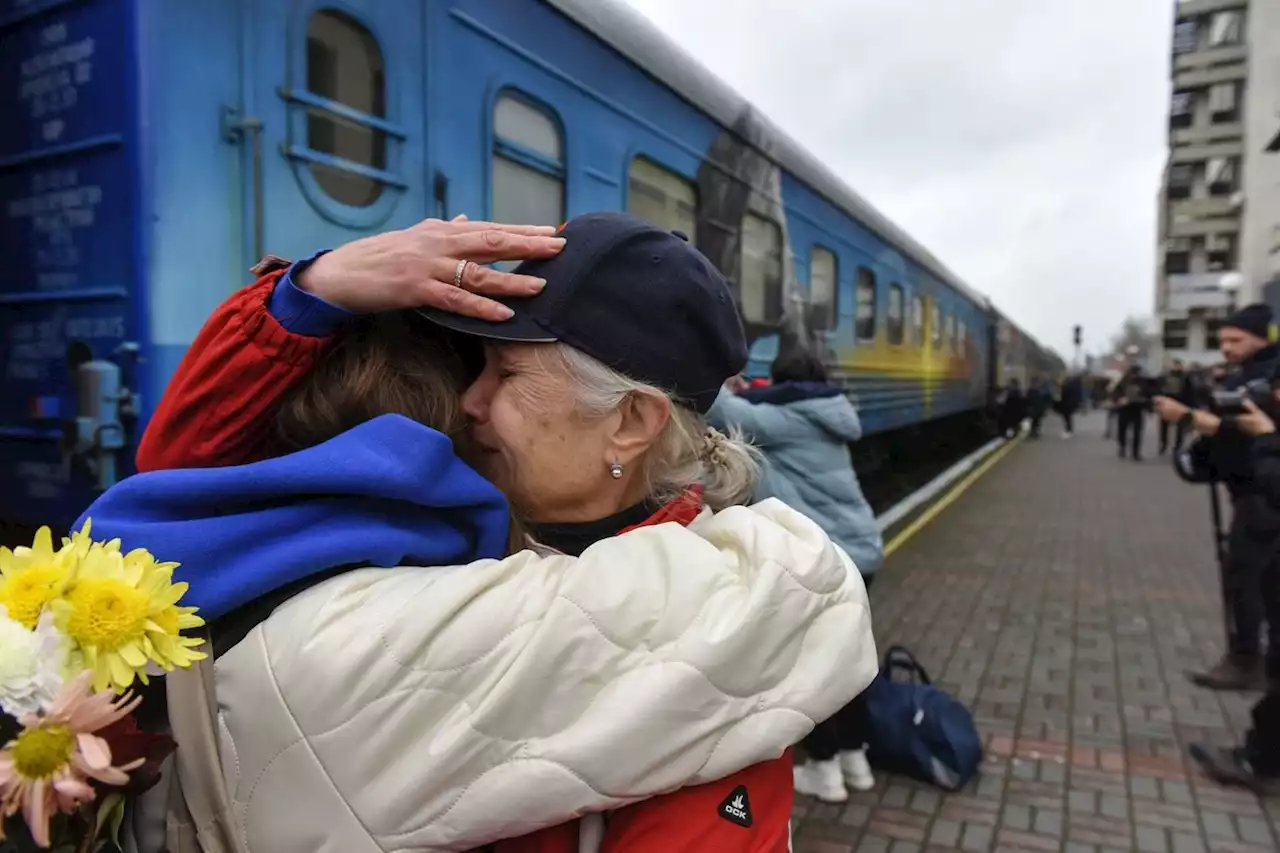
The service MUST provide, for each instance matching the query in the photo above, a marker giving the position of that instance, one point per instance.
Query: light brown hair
(399, 363)
(396, 363)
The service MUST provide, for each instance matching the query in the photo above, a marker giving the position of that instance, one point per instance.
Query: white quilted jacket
(446, 708)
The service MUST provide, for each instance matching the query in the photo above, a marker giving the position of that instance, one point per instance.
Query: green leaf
(110, 816)
(106, 807)
(117, 820)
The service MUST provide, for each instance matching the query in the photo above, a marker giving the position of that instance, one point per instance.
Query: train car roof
(635, 37)
(1049, 351)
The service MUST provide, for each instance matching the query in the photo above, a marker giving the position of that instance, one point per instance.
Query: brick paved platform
(1062, 597)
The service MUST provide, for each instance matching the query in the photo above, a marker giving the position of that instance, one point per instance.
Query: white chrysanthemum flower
(31, 665)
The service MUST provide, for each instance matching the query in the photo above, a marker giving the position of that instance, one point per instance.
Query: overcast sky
(1021, 141)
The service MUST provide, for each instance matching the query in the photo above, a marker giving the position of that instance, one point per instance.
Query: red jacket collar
(683, 510)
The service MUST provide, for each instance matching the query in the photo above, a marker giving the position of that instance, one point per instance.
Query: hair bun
(715, 446)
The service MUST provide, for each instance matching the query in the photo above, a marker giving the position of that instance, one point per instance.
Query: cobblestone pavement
(1062, 598)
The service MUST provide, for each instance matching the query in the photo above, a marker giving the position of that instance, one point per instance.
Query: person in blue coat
(804, 425)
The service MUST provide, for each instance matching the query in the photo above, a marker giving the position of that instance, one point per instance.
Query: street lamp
(1230, 283)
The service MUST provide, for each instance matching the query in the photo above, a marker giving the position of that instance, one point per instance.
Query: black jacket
(1266, 468)
(1178, 386)
(1039, 399)
(1132, 392)
(1071, 396)
(1230, 450)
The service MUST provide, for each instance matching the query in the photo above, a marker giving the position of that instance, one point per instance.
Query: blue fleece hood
(389, 492)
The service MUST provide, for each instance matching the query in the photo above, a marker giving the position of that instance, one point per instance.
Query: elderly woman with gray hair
(640, 648)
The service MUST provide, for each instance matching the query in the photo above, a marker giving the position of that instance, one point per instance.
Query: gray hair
(688, 452)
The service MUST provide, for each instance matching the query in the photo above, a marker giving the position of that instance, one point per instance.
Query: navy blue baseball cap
(635, 297)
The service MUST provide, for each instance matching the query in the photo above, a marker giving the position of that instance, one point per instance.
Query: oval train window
(344, 65)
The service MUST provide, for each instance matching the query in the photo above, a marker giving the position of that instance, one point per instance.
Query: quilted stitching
(454, 724)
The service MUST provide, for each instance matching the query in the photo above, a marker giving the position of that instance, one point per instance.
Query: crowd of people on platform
(1130, 398)
(1015, 407)
(1219, 424)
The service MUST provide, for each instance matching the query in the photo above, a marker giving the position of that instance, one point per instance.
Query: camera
(1229, 403)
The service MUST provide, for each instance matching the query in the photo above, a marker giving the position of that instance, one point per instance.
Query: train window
(528, 164)
(344, 65)
(761, 284)
(822, 287)
(951, 333)
(935, 324)
(962, 338)
(866, 327)
(663, 197)
(917, 320)
(897, 310)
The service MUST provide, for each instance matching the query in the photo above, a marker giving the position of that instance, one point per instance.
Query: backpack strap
(898, 657)
(199, 808)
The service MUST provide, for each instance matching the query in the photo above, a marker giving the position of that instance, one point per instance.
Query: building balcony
(1188, 8)
(1198, 153)
(1182, 225)
(1195, 78)
(1210, 56)
(1207, 207)
(1196, 292)
(1208, 134)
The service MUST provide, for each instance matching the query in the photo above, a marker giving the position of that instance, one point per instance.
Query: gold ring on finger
(459, 273)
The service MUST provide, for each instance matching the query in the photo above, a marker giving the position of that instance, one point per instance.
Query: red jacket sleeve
(217, 408)
(749, 812)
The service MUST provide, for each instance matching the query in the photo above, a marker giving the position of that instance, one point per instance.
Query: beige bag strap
(199, 819)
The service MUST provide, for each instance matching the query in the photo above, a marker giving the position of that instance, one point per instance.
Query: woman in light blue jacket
(804, 426)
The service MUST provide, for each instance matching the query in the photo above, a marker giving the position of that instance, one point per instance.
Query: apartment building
(1219, 209)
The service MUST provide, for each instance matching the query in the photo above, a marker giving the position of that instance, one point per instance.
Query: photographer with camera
(1256, 764)
(1227, 453)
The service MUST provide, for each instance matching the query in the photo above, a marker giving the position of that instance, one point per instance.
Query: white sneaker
(857, 770)
(821, 779)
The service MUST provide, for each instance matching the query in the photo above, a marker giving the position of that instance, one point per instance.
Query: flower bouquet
(78, 626)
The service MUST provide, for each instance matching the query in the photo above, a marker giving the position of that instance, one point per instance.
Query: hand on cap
(415, 268)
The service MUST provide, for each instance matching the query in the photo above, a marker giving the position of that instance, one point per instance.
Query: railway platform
(1062, 595)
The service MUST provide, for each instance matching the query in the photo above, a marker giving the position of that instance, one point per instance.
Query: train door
(71, 253)
(331, 124)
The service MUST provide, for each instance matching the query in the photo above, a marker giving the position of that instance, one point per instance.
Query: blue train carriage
(1019, 356)
(154, 150)
(73, 193)
(913, 349)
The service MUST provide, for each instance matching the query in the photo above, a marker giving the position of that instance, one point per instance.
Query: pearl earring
(615, 471)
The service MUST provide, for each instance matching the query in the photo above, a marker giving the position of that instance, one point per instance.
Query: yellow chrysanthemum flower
(79, 542)
(31, 578)
(121, 612)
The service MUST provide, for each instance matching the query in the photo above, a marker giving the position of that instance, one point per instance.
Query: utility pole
(1076, 338)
